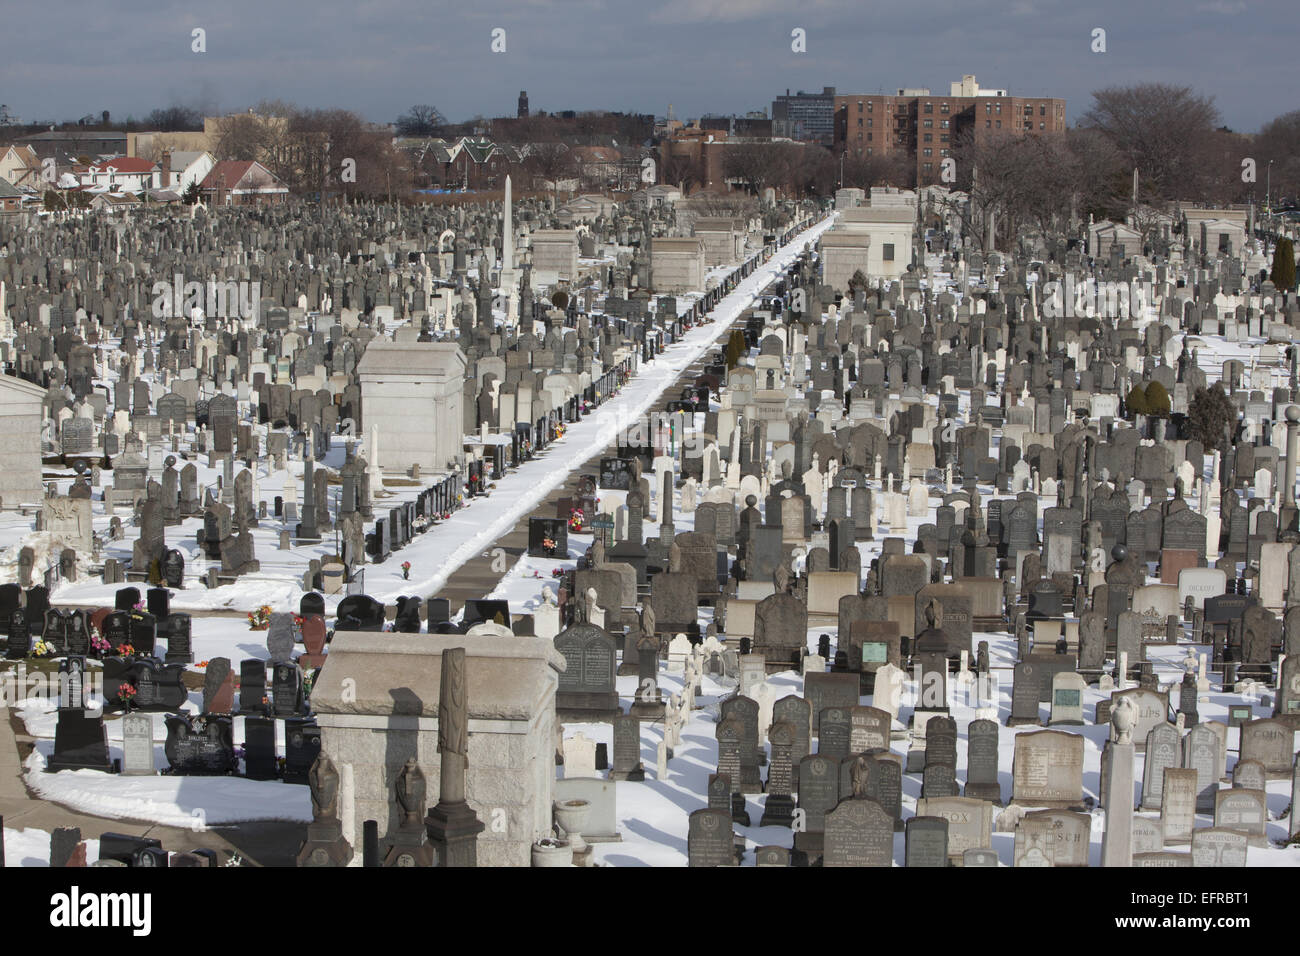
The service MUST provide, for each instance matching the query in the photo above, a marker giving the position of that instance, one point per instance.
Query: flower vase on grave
(549, 852)
(571, 815)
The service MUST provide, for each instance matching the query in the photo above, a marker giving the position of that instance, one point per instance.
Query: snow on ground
(32, 848)
(188, 801)
(434, 557)
(436, 554)
(652, 815)
(163, 799)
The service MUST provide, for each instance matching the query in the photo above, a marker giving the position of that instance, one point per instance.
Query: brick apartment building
(925, 126)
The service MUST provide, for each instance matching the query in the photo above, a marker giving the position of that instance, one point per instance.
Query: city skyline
(720, 57)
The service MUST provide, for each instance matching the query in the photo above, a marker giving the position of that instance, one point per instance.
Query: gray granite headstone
(279, 637)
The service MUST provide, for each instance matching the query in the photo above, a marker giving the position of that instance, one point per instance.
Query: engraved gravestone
(858, 833)
(1047, 769)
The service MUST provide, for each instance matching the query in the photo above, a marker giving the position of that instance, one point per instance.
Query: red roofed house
(122, 174)
(235, 182)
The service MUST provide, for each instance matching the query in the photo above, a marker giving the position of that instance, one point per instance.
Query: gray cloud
(380, 56)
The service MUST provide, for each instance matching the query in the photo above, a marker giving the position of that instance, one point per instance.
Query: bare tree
(341, 155)
(758, 166)
(1101, 177)
(175, 118)
(242, 136)
(683, 171)
(1157, 128)
(864, 170)
(422, 120)
(1008, 181)
(550, 162)
(1279, 141)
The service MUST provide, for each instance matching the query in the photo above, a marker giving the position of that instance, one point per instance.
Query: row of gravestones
(361, 612)
(204, 745)
(130, 633)
(67, 849)
(195, 745)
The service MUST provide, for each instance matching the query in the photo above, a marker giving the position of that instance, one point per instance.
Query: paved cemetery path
(257, 844)
(476, 577)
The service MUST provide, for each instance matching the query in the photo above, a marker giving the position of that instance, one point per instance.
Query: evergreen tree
(1283, 274)
(1136, 402)
(1209, 415)
(1157, 399)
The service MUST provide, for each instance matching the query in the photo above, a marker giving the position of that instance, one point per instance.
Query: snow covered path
(435, 556)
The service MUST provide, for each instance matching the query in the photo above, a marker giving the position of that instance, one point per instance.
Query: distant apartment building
(752, 126)
(805, 116)
(926, 127)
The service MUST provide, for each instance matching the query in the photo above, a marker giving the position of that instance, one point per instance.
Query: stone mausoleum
(376, 701)
(21, 415)
(412, 392)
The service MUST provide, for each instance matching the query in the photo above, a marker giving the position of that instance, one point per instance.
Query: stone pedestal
(778, 811)
(453, 834)
(1117, 841)
(325, 845)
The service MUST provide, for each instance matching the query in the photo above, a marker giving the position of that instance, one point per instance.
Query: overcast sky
(61, 60)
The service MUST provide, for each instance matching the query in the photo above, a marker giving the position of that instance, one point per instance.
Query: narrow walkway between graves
(471, 532)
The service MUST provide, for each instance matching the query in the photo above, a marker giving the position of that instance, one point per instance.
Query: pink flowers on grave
(406, 570)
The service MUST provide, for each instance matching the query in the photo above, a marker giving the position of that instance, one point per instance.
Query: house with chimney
(181, 168)
(235, 182)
